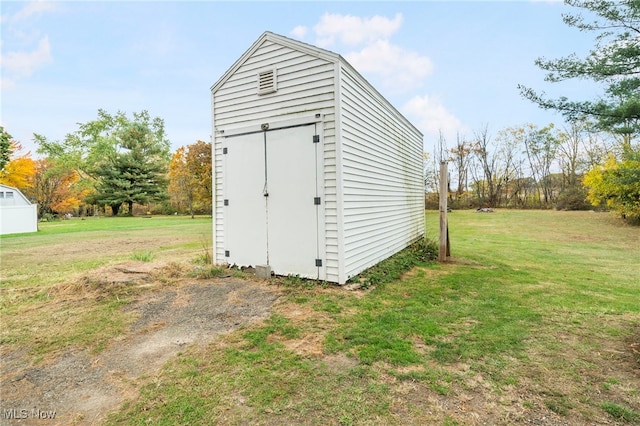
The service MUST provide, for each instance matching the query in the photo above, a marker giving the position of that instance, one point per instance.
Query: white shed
(315, 173)
(17, 214)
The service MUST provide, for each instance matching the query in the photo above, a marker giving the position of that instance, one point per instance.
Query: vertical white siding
(305, 85)
(382, 177)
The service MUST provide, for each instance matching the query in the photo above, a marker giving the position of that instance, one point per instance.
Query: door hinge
(316, 138)
(226, 202)
(316, 201)
(318, 263)
(226, 253)
(225, 150)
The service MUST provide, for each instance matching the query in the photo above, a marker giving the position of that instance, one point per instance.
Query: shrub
(574, 198)
(392, 268)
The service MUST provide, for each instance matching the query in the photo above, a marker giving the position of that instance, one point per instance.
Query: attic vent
(266, 82)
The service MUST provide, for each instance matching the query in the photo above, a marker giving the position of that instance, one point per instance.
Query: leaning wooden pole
(443, 249)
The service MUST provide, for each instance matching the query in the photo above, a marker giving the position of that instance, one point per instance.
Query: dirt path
(81, 387)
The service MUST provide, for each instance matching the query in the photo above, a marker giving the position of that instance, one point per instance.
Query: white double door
(271, 202)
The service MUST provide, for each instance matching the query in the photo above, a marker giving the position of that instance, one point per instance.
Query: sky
(451, 67)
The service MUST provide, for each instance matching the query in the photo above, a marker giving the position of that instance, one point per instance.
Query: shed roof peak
(284, 41)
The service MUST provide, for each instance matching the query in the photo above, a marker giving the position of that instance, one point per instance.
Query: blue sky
(447, 66)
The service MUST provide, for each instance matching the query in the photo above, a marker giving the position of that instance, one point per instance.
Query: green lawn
(536, 315)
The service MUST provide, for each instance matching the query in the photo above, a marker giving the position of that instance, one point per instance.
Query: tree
(614, 62)
(616, 184)
(190, 177)
(5, 147)
(125, 160)
(572, 161)
(181, 190)
(569, 146)
(135, 173)
(541, 147)
(19, 170)
(430, 175)
(509, 169)
(487, 189)
(201, 167)
(55, 188)
(460, 156)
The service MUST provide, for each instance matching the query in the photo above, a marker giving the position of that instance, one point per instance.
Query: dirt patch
(633, 344)
(81, 387)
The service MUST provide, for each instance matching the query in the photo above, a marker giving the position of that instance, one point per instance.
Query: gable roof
(310, 50)
(282, 40)
(5, 188)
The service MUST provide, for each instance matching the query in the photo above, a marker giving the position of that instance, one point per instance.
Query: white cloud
(431, 117)
(24, 60)
(400, 69)
(33, 8)
(299, 32)
(6, 83)
(370, 49)
(354, 30)
(23, 64)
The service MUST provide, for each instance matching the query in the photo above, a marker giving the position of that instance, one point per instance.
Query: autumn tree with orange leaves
(57, 188)
(17, 167)
(190, 183)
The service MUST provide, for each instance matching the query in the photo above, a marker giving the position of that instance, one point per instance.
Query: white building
(315, 173)
(17, 214)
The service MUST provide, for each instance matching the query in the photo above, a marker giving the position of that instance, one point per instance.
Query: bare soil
(82, 387)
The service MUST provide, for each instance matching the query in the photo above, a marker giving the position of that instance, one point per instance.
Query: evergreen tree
(126, 160)
(136, 173)
(5, 148)
(614, 62)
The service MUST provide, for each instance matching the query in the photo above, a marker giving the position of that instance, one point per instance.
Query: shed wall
(382, 177)
(17, 214)
(305, 86)
(18, 219)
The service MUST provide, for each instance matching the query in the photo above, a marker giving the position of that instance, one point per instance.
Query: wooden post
(443, 249)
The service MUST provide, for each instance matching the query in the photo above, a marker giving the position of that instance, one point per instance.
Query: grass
(143, 256)
(50, 302)
(207, 272)
(65, 248)
(535, 315)
(621, 413)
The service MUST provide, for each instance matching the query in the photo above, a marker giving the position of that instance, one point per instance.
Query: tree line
(595, 159)
(523, 167)
(112, 165)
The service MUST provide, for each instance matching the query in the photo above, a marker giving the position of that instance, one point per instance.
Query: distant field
(62, 248)
(535, 320)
